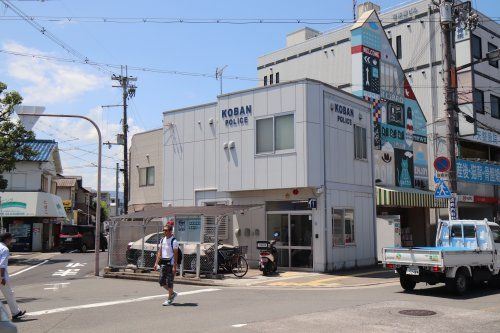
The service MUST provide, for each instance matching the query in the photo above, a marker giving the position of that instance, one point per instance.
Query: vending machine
(388, 233)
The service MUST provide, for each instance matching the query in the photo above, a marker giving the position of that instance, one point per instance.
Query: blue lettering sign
(237, 115)
(476, 172)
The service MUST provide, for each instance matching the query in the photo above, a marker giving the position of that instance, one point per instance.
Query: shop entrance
(295, 243)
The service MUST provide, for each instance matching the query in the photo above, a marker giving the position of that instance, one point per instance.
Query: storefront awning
(31, 204)
(401, 197)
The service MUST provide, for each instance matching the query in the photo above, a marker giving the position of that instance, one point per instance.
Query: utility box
(388, 233)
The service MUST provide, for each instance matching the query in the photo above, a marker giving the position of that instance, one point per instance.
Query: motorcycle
(268, 261)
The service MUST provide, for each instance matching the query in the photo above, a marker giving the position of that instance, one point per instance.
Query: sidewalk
(346, 279)
(22, 260)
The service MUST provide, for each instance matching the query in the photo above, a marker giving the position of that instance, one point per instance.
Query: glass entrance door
(295, 243)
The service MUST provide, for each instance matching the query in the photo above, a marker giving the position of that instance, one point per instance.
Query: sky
(67, 87)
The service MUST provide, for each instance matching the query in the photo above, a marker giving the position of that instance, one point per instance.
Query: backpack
(179, 252)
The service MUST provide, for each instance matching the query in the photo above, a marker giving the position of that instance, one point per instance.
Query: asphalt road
(84, 303)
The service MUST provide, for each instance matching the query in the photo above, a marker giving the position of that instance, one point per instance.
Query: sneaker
(167, 302)
(19, 314)
(174, 295)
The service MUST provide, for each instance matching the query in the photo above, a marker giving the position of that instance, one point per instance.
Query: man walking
(8, 293)
(167, 256)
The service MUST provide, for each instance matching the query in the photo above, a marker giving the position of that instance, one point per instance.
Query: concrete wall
(146, 150)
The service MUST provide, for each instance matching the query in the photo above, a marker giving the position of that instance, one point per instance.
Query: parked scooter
(268, 262)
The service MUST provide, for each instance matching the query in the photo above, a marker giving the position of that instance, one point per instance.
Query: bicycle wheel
(240, 267)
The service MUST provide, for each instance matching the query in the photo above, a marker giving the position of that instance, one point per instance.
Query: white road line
(239, 325)
(27, 269)
(125, 301)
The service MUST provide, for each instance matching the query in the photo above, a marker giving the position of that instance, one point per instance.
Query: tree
(104, 211)
(13, 135)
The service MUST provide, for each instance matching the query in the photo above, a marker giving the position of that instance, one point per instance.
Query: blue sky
(73, 88)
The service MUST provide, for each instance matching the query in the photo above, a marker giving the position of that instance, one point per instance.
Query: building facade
(405, 54)
(291, 149)
(29, 207)
(146, 170)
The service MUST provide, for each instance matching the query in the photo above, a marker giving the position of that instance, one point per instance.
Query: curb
(154, 278)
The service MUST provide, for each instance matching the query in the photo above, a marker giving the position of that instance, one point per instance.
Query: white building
(29, 208)
(414, 33)
(301, 149)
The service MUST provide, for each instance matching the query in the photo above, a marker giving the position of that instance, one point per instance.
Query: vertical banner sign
(453, 206)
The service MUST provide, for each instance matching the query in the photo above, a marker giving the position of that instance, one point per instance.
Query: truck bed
(437, 256)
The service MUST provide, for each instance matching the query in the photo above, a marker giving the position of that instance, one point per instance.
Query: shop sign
(405, 14)
(487, 200)
(67, 203)
(236, 116)
(485, 136)
(476, 172)
(453, 207)
(465, 198)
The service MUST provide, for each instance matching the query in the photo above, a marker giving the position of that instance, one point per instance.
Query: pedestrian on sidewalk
(8, 293)
(167, 256)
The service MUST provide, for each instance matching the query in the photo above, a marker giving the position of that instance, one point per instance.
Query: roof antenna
(354, 10)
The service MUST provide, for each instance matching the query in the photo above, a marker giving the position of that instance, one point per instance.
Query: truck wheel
(460, 283)
(407, 284)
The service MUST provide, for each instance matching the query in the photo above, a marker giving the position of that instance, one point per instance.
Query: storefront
(300, 151)
(33, 218)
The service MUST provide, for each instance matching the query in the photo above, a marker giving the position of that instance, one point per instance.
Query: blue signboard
(476, 172)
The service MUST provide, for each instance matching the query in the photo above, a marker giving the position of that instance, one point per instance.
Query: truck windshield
(495, 230)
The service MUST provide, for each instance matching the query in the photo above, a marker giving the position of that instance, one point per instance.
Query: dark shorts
(166, 275)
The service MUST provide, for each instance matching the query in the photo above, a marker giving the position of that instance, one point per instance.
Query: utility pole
(117, 187)
(128, 91)
(451, 15)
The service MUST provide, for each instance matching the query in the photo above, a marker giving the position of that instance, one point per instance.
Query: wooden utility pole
(128, 91)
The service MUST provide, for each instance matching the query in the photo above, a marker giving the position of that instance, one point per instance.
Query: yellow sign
(67, 203)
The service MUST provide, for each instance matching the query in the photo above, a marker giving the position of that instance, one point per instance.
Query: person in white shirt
(167, 255)
(8, 293)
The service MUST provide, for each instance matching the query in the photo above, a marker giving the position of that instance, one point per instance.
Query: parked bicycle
(231, 259)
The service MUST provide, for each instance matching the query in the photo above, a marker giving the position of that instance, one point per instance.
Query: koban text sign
(236, 116)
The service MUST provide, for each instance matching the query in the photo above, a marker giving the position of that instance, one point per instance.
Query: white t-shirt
(167, 252)
(4, 260)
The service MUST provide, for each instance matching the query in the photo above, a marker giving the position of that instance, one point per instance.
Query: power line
(31, 21)
(221, 21)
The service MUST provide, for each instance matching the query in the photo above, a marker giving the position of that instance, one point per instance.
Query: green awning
(408, 197)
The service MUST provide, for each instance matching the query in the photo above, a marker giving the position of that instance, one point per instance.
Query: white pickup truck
(466, 251)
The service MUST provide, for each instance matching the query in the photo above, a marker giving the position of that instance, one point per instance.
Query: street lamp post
(99, 161)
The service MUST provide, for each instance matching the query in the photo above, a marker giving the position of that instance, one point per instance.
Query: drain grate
(417, 313)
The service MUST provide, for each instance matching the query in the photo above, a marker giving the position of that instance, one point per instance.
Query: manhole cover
(417, 313)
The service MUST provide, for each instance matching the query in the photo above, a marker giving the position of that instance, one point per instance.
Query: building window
(147, 176)
(495, 106)
(399, 49)
(360, 149)
(492, 47)
(278, 77)
(275, 134)
(343, 227)
(477, 52)
(265, 80)
(271, 78)
(478, 100)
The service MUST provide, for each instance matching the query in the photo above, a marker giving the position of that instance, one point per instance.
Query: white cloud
(45, 82)
(78, 145)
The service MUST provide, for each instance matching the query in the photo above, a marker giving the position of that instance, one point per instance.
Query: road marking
(63, 272)
(27, 269)
(56, 286)
(239, 325)
(76, 264)
(72, 251)
(125, 301)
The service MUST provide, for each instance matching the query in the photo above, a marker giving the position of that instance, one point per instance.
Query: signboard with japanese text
(188, 228)
(477, 172)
